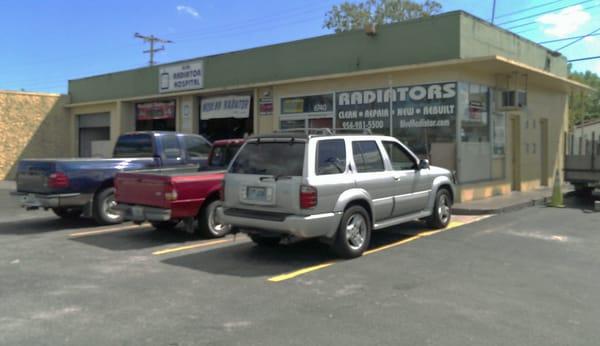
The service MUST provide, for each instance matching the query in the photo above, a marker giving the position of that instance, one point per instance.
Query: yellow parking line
(291, 275)
(189, 247)
(106, 230)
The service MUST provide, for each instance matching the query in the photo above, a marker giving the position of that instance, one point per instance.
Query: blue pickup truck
(84, 187)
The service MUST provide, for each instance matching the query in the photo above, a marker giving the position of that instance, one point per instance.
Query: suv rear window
(270, 158)
(134, 146)
(331, 157)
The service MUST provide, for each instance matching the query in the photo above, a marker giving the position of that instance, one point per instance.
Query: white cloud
(188, 10)
(565, 22)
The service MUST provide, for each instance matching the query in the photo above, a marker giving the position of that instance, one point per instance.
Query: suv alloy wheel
(354, 233)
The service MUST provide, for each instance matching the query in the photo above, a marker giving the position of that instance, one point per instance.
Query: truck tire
(354, 233)
(165, 225)
(583, 191)
(208, 226)
(104, 211)
(68, 213)
(442, 210)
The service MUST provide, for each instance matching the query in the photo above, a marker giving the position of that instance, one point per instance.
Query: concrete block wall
(32, 125)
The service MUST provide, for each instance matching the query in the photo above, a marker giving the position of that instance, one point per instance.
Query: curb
(508, 209)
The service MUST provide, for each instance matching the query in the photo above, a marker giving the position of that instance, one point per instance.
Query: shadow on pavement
(585, 204)
(136, 239)
(249, 260)
(43, 225)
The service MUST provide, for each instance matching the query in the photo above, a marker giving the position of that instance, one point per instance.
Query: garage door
(94, 135)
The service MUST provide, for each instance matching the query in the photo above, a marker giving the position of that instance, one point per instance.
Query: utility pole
(152, 39)
(493, 11)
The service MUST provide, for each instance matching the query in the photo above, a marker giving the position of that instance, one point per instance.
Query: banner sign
(418, 106)
(155, 110)
(179, 77)
(307, 104)
(225, 107)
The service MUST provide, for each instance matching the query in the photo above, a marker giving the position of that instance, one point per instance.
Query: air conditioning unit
(513, 99)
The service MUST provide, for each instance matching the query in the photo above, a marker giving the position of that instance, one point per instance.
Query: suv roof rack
(325, 131)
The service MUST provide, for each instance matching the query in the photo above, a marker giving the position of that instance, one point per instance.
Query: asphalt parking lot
(527, 278)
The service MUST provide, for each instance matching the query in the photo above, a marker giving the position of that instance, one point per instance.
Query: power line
(527, 9)
(567, 38)
(587, 58)
(577, 40)
(534, 22)
(545, 12)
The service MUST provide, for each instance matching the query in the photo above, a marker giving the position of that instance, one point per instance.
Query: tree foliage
(585, 106)
(349, 16)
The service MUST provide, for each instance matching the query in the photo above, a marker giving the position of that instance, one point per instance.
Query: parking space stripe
(106, 230)
(193, 246)
(294, 274)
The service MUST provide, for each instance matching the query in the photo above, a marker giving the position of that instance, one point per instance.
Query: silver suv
(330, 186)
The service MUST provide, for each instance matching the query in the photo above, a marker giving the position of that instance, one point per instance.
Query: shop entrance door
(515, 126)
(544, 152)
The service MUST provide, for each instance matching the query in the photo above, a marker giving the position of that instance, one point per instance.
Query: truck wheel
(442, 210)
(104, 208)
(68, 213)
(165, 225)
(208, 225)
(263, 241)
(354, 233)
(583, 191)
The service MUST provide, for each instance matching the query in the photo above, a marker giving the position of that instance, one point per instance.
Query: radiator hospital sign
(181, 77)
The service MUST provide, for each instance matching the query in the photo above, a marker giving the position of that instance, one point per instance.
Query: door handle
(397, 178)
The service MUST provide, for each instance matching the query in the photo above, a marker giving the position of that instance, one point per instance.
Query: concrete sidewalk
(507, 203)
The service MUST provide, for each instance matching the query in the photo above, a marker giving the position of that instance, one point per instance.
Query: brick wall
(32, 125)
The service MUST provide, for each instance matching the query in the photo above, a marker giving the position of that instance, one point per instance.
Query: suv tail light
(170, 193)
(308, 197)
(58, 180)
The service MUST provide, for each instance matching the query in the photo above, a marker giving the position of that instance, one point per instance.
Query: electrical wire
(545, 12)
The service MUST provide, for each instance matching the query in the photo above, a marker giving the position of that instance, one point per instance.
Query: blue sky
(45, 43)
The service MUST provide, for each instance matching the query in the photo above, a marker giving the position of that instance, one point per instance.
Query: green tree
(349, 16)
(585, 106)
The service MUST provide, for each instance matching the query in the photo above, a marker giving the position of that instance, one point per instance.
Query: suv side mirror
(424, 164)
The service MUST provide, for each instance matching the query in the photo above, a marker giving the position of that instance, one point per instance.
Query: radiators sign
(180, 77)
(417, 106)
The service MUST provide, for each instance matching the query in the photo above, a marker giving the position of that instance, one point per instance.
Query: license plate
(29, 199)
(258, 194)
(137, 213)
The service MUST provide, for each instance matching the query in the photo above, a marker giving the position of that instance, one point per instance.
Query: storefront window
(365, 109)
(425, 120)
(155, 116)
(314, 111)
(225, 117)
(475, 145)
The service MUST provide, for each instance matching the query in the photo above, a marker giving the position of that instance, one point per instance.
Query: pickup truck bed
(165, 197)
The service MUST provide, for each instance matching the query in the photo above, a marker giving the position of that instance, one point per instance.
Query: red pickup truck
(170, 196)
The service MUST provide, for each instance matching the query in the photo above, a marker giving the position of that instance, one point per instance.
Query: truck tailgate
(142, 189)
(32, 176)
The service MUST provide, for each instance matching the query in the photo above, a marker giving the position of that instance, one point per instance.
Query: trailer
(582, 163)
